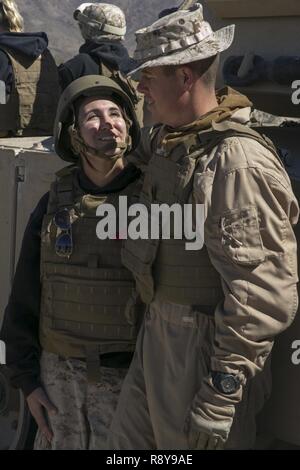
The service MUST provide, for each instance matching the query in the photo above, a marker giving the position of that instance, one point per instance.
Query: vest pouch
(186, 277)
(88, 305)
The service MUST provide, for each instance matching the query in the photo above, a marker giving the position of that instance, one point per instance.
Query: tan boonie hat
(99, 19)
(179, 38)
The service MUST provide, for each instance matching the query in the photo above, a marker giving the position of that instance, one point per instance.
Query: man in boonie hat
(199, 375)
(179, 38)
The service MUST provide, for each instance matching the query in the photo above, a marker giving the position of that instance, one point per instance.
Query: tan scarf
(229, 101)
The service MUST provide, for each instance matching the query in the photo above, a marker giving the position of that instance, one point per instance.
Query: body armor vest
(31, 106)
(164, 268)
(88, 303)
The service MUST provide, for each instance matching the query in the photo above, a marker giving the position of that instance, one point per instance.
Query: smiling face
(102, 125)
(163, 94)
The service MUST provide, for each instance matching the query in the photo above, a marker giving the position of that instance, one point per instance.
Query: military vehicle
(263, 64)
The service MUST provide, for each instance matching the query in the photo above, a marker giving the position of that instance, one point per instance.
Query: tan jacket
(250, 209)
(248, 196)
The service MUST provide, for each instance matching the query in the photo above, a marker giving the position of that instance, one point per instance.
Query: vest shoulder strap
(155, 132)
(62, 189)
(128, 85)
(104, 70)
(65, 171)
(219, 131)
(242, 129)
(18, 59)
(65, 182)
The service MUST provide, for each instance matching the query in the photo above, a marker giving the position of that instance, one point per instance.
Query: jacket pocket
(240, 236)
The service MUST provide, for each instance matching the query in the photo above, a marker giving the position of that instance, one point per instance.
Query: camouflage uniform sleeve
(250, 211)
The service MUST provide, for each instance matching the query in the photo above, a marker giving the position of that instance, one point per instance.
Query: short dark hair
(207, 69)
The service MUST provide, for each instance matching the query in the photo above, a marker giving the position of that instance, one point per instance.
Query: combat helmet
(97, 20)
(89, 86)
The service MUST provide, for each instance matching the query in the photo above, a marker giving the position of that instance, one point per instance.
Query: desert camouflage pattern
(101, 16)
(85, 409)
(179, 38)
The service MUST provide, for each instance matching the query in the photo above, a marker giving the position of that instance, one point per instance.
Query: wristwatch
(225, 383)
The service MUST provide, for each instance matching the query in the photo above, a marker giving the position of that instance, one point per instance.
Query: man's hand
(37, 401)
(205, 435)
(207, 442)
(208, 421)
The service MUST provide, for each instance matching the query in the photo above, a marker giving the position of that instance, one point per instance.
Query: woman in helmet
(30, 75)
(70, 339)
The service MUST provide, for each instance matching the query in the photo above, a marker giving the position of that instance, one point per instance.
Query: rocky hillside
(56, 18)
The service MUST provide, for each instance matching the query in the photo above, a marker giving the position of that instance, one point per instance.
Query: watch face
(229, 384)
(225, 383)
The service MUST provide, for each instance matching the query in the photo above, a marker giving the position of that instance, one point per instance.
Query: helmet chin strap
(82, 149)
